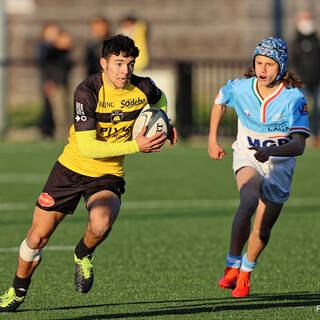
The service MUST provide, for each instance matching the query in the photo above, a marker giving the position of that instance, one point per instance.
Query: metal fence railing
(196, 85)
(204, 79)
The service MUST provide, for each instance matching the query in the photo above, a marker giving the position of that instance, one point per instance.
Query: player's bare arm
(214, 149)
(295, 147)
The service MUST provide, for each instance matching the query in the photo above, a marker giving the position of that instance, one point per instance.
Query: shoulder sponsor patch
(45, 200)
(304, 109)
(80, 115)
(79, 108)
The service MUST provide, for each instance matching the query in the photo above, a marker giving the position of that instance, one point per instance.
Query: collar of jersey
(109, 88)
(264, 102)
(270, 97)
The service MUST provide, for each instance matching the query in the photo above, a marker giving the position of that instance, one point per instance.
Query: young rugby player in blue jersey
(272, 129)
(106, 105)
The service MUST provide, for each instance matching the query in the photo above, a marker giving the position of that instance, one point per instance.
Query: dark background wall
(177, 29)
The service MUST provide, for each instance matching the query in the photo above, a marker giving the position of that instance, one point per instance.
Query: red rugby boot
(229, 278)
(243, 285)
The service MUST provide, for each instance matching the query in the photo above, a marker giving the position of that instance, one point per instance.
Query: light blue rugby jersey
(267, 122)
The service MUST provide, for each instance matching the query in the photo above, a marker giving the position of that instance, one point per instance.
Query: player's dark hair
(119, 43)
(289, 78)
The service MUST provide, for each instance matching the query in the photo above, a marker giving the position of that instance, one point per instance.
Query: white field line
(146, 204)
(15, 206)
(173, 204)
(22, 178)
(158, 204)
(48, 248)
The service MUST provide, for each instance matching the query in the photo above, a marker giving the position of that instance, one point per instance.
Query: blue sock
(233, 261)
(247, 266)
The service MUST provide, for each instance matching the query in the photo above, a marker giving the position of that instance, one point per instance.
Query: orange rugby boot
(229, 278)
(243, 285)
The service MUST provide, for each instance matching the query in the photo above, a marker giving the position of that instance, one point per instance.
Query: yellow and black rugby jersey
(111, 112)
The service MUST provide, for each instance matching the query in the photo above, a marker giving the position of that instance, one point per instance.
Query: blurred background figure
(99, 29)
(53, 57)
(45, 52)
(136, 30)
(306, 60)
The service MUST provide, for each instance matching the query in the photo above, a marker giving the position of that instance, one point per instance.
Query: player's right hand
(152, 144)
(216, 151)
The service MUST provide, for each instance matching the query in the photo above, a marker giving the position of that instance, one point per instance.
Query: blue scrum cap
(275, 49)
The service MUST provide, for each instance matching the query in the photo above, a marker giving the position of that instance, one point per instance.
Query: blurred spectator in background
(100, 30)
(137, 30)
(53, 57)
(306, 60)
(46, 50)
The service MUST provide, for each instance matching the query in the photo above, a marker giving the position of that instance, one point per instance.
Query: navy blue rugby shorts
(64, 189)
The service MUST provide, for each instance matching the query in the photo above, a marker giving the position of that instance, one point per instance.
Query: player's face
(266, 70)
(117, 70)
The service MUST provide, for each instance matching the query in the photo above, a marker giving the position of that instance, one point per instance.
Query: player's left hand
(262, 154)
(151, 144)
(172, 135)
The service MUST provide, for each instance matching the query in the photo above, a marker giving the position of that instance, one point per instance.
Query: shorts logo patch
(46, 200)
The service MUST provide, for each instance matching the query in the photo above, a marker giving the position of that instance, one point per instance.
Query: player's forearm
(91, 148)
(293, 148)
(217, 114)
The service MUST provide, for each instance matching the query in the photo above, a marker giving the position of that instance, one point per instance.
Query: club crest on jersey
(304, 110)
(116, 116)
(278, 117)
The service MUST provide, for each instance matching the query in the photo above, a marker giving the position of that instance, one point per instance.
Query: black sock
(21, 285)
(82, 250)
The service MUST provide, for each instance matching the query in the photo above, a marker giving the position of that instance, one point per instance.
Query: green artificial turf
(167, 249)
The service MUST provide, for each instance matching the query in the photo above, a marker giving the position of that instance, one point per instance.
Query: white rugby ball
(155, 119)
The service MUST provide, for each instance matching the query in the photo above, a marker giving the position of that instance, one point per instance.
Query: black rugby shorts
(64, 188)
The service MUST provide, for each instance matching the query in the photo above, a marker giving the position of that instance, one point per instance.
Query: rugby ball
(155, 119)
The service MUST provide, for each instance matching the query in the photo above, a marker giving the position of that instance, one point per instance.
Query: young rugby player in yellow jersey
(105, 107)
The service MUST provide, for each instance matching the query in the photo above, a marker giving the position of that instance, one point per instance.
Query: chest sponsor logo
(130, 103)
(281, 127)
(106, 104)
(266, 143)
(116, 133)
(80, 114)
(116, 116)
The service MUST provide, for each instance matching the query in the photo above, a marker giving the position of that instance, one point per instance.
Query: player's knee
(29, 254)
(37, 240)
(264, 235)
(101, 226)
(248, 206)
(246, 210)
